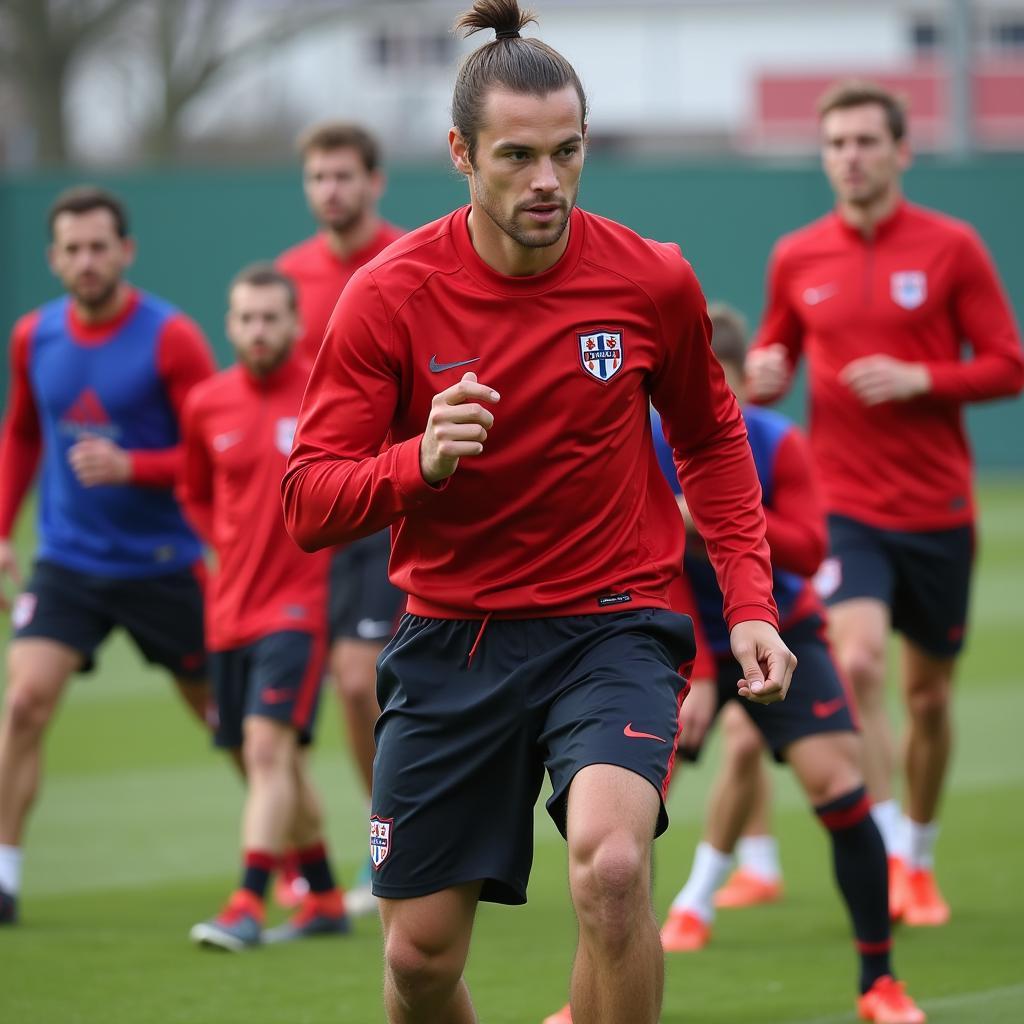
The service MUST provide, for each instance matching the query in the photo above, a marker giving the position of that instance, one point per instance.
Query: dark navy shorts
(923, 577)
(817, 701)
(162, 614)
(277, 676)
(462, 747)
(363, 604)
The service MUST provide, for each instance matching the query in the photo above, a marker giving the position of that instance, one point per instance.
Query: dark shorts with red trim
(277, 676)
(817, 701)
(462, 744)
(162, 614)
(363, 604)
(924, 577)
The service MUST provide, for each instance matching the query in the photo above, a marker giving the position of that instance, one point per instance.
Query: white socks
(710, 866)
(920, 846)
(10, 869)
(889, 819)
(759, 855)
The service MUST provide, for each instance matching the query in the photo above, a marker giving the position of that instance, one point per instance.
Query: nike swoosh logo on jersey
(827, 708)
(222, 442)
(812, 296)
(634, 735)
(436, 367)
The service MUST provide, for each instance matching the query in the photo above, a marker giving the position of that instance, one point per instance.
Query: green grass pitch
(135, 839)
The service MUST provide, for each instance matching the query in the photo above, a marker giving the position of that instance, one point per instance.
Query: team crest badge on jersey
(909, 288)
(286, 434)
(601, 354)
(381, 830)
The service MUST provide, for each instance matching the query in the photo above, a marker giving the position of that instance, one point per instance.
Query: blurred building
(672, 76)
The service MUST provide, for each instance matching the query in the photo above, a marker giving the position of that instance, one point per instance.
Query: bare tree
(40, 41)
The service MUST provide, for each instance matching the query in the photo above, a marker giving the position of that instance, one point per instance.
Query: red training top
(320, 275)
(917, 290)
(565, 512)
(238, 431)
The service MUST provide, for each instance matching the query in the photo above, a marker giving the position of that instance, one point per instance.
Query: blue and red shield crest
(380, 839)
(601, 354)
(909, 288)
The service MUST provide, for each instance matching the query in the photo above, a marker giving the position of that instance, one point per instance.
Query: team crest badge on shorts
(828, 577)
(286, 434)
(24, 609)
(601, 354)
(909, 288)
(380, 839)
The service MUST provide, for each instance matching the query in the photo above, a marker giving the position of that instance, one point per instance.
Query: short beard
(514, 232)
(94, 302)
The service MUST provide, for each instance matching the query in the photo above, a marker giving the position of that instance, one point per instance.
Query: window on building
(411, 49)
(1007, 33)
(926, 37)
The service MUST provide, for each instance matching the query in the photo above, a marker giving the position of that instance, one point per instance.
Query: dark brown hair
(507, 62)
(856, 93)
(729, 334)
(341, 135)
(262, 275)
(82, 199)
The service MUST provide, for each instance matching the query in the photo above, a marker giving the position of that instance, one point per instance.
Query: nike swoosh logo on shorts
(278, 696)
(634, 735)
(827, 708)
(436, 367)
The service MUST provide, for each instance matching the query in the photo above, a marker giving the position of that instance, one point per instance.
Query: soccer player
(813, 731)
(483, 388)
(882, 295)
(98, 381)
(343, 181)
(265, 608)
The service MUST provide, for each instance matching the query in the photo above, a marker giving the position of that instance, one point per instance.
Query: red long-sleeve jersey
(565, 512)
(320, 276)
(920, 288)
(238, 431)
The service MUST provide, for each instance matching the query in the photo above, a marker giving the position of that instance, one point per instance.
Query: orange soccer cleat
(745, 889)
(887, 1003)
(564, 1016)
(897, 888)
(684, 932)
(924, 906)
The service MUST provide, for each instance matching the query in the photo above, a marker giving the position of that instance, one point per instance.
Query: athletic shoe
(887, 1003)
(684, 932)
(321, 913)
(562, 1017)
(359, 900)
(897, 888)
(290, 887)
(238, 926)
(8, 907)
(924, 907)
(745, 889)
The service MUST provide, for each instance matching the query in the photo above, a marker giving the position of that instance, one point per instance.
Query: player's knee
(28, 707)
(863, 663)
(420, 970)
(265, 755)
(609, 884)
(743, 750)
(928, 705)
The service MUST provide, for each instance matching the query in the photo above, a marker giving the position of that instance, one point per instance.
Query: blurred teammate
(98, 380)
(265, 607)
(538, 544)
(813, 731)
(343, 182)
(881, 295)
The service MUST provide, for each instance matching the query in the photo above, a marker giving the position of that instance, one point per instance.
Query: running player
(98, 381)
(343, 181)
(813, 731)
(538, 544)
(881, 295)
(265, 610)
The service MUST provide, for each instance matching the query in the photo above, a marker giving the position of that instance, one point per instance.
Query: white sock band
(921, 843)
(710, 866)
(889, 820)
(10, 869)
(760, 856)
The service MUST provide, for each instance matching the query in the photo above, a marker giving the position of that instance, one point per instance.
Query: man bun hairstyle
(509, 61)
(854, 92)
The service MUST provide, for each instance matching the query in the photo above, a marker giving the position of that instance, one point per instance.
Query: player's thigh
(68, 609)
(933, 583)
(285, 673)
(617, 702)
(353, 665)
(457, 770)
(742, 742)
(827, 765)
(420, 929)
(164, 617)
(37, 673)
